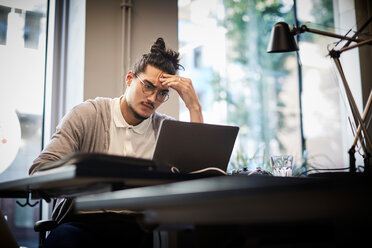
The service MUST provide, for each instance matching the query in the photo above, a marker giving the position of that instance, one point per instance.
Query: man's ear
(129, 78)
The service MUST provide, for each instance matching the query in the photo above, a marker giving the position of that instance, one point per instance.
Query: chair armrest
(45, 225)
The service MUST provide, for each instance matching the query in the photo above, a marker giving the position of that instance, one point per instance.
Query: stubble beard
(136, 114)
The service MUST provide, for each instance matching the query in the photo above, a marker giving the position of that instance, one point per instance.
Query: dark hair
(159, 57)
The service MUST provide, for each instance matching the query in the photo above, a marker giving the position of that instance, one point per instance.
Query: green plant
(308, 163)
(242, 160)
(261, 159)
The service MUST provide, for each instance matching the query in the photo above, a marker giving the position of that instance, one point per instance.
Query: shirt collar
(120, 121)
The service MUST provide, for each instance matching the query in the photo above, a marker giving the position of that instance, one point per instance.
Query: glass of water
(282, 165)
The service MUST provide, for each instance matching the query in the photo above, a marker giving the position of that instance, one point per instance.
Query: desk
(340, 207)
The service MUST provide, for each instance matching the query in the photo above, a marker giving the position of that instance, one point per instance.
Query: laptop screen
(194, 146)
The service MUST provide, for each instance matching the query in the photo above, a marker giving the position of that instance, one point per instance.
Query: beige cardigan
(86, 128)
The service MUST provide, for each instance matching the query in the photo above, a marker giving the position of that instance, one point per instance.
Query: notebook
(194, 146)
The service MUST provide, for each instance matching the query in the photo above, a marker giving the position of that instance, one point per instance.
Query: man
(125, 126)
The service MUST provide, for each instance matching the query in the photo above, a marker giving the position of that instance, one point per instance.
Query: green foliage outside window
(248, 25)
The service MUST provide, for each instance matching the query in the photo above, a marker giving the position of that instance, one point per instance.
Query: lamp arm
(361, 43)
(359, 31)
(304, 29)
(366, 109)
(352, 103)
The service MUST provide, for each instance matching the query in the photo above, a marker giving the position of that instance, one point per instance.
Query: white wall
(153, 19)
(102, 49)
(150, 19)
(75, 53)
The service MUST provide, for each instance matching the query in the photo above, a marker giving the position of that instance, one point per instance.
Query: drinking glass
(282, 165)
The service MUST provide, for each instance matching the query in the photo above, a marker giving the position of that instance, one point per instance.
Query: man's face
(140, 106)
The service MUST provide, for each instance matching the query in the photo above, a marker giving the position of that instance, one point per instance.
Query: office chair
(42, 227)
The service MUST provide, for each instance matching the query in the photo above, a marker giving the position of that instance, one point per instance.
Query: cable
(174, 169)
(333, 169)
(209, 169)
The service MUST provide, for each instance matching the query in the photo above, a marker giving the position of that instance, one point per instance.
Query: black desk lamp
(282, 40)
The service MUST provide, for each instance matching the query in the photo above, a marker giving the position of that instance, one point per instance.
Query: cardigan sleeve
(66, 140)
(69, 135)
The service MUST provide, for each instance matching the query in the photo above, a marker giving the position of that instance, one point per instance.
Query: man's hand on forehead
(186, 91)
(183, 86)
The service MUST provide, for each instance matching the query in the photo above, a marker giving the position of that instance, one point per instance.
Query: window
(4, 11)
(197, 57)
(240, 84)
(22, 63)
(32, 29)
(322, 98)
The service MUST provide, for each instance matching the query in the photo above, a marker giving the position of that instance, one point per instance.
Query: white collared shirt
(127, 140)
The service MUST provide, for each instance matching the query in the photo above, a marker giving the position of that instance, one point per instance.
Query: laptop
(192, 147)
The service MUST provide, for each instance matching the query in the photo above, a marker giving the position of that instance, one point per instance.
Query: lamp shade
(281, 39)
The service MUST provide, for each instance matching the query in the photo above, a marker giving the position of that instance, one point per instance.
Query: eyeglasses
(149, 89)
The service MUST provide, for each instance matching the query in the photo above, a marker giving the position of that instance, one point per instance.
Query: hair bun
(158, 46)
(164, 59)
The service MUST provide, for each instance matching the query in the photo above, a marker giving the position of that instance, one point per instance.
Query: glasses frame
(154, 90)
